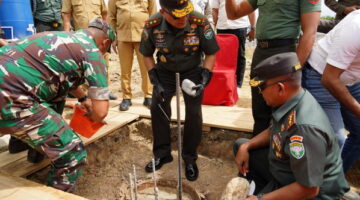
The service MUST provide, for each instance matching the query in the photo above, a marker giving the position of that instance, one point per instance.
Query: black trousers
(241, 60)
(193, 116)
(261, 111)
(326, 25)
(259, 168)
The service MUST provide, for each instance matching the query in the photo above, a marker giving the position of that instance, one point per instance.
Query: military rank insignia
(291, 120)
(200, 21)
(150, 23)
(297, 149)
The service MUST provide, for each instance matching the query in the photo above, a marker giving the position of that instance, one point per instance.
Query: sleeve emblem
(297, 148)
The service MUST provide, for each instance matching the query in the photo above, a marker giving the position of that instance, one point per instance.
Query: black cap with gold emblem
(177, 8)
(274, 66)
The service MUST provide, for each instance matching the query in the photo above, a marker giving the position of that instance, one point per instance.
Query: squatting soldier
(180, 37)
(297, 157)
(47, 17)
(39, 71)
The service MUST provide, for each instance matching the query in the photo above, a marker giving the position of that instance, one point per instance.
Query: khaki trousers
(126, 56)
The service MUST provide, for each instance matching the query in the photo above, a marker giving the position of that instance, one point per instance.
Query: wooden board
(17, 164)
(226, 117)
(16, 188)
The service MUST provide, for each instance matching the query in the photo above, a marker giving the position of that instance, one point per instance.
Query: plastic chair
(222, 89)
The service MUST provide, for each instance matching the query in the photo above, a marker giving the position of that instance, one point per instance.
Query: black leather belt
(52, 24)
(264, 44)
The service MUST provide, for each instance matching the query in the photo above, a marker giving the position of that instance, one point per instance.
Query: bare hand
(87, 105)
(252, 197)
(251, 35)
(114, 46)
(349, 9)
(242, 159)
(3, 42)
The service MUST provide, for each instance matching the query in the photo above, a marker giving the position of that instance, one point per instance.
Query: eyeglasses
(262, 87)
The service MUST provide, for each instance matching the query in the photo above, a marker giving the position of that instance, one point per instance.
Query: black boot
(34, 156)
(16, 145)
(125, 104)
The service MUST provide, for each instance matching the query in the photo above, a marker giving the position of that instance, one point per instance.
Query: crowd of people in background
(305, 93)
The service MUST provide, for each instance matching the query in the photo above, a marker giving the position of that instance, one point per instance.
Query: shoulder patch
(153, 22)
(200, 21)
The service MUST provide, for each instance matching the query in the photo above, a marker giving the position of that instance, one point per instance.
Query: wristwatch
(259, 196)
(253, 28)
(82, 99)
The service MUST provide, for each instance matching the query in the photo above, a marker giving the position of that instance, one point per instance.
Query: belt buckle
(264, 44)
(55, 24)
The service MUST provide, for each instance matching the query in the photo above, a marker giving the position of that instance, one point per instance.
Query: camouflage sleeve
(95, 73)
(208, 41)
(147, 47)
(306, 149)
(66, 6)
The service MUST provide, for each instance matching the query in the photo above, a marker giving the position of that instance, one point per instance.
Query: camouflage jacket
(41, 69)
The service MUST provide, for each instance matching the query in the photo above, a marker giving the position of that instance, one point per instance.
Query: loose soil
(110, 160)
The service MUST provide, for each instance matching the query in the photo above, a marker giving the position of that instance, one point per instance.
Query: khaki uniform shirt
(83, 11)
(128, 17)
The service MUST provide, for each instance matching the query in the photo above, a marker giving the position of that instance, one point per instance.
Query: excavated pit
(110, 160)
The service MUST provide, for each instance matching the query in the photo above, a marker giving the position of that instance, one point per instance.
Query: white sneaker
(351, 195)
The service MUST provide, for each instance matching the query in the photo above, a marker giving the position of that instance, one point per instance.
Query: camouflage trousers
(47, 132)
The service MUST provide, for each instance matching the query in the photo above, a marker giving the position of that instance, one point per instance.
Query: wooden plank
(226, 117)
(21, 167)
(6, 157)
(112, 103)
(16, 188)
(116, 121)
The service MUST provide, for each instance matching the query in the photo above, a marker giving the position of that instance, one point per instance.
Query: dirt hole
(110, 161)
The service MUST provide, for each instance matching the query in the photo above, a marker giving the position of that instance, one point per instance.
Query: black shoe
(16, 145)
(34, 156)
(112, 96)
(191, 171)
(159, 162)
(125, 104)
(147, 102)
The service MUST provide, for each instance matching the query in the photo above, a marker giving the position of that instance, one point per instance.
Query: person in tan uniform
(128, 18)
(82, 12)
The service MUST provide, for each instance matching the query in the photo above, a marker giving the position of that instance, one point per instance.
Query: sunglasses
(262, 87)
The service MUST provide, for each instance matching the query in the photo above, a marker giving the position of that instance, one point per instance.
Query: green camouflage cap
(104, 26)
(274, 66)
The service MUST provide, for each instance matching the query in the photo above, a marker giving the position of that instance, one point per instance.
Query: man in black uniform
(297, 157)
(180, 37)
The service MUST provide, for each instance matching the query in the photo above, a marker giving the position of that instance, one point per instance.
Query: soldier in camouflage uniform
(39, 71)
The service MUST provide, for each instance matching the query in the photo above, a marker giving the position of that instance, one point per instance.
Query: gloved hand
(158, 88)
(206, 75)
